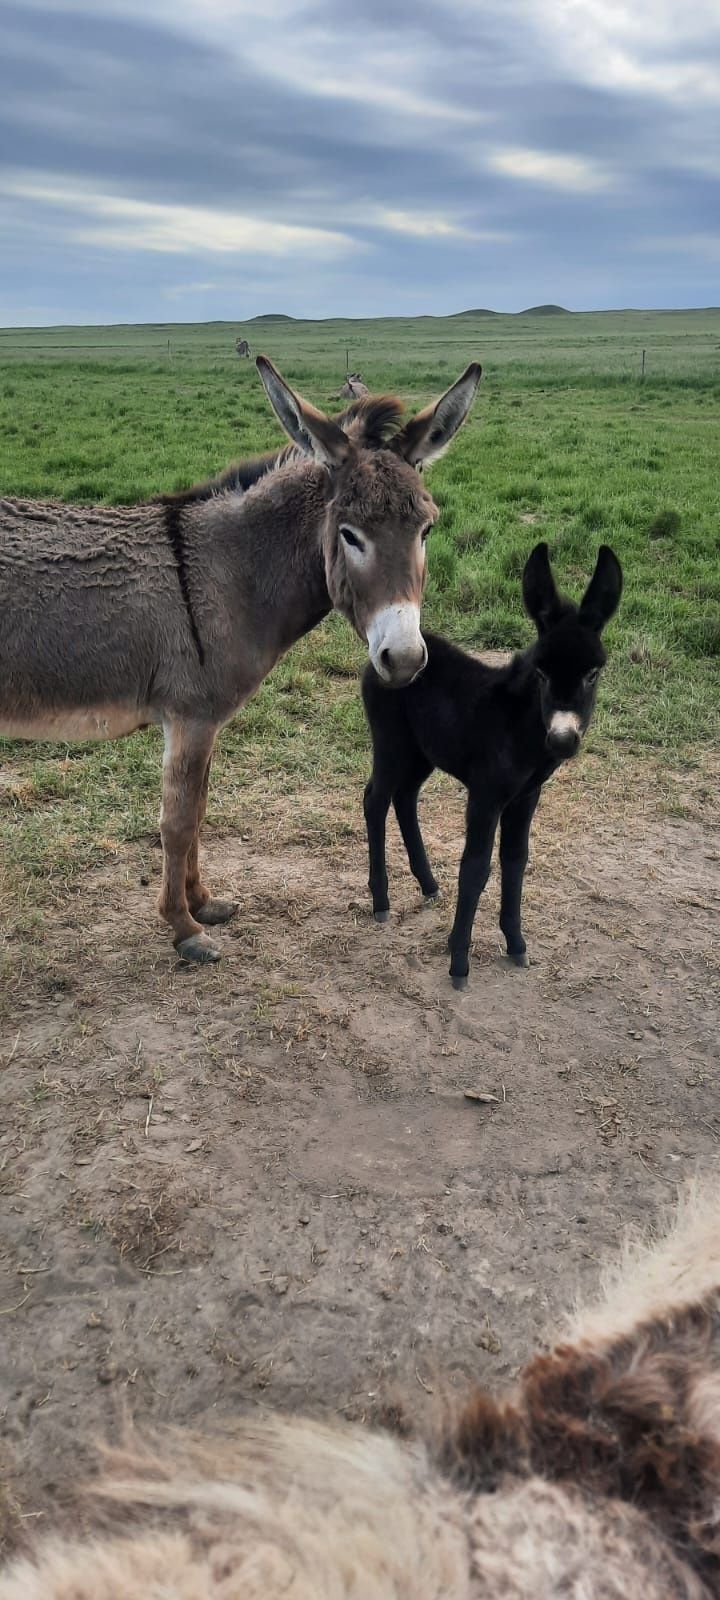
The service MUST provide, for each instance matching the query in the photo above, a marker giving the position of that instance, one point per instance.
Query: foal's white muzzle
(397, 649)
(564, 732)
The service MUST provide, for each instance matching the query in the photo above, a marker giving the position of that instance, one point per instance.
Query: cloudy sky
(187, 159)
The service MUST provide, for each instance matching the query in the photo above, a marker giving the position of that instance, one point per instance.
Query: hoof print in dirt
(197, 948)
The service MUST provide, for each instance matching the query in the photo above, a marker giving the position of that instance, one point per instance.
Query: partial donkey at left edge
(173, 611)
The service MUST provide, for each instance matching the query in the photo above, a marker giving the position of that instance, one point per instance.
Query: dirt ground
(262, 1184)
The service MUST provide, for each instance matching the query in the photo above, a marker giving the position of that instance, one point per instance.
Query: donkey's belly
(89, 722)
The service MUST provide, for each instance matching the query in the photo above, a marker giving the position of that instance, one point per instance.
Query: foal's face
(569, 654)
(568, 662)
(377, 523)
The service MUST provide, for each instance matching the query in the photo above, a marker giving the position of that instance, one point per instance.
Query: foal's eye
(591, 677)
(352, 539)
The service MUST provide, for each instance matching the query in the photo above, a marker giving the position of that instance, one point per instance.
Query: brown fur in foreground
(599, 1476)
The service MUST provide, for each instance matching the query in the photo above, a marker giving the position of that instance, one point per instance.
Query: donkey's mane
(373, 420)
(369, 422)
(239, 476)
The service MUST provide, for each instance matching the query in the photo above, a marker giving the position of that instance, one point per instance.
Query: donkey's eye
(352, 539)
(591, 677)
(425, 531)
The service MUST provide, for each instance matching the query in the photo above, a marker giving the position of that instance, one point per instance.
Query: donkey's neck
(259, 559)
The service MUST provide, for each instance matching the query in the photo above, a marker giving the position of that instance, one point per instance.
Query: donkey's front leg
(188, 747)
(474, 873)
(376, 804)
(205, 909)
(514, 834)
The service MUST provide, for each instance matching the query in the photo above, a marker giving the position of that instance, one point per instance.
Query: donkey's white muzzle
(397, 649)
(564, 733)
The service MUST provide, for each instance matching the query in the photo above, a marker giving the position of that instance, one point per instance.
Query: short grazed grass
(565, 444)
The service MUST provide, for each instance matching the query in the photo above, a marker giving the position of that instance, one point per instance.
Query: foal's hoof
(458, 982)
(215, 911)
(197, 948)
(431, 899)
(522, 959)
(381, 916)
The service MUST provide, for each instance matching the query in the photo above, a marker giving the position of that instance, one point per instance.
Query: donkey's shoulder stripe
(174, 530)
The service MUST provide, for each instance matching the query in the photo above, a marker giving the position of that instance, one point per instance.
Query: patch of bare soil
(264, 1184)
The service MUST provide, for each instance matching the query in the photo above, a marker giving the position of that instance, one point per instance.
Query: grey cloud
(179, 115)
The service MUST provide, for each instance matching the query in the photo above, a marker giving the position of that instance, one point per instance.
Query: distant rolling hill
(545, 311)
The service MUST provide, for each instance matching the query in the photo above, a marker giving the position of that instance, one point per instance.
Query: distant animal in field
(596, 1478)
(173, 611)
(354, 388)
(242, 347)
(501, 730)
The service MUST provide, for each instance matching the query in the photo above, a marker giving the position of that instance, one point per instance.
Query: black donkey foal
(501, 730)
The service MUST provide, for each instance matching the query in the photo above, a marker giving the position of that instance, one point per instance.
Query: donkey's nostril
(386, 660)
(564, 741)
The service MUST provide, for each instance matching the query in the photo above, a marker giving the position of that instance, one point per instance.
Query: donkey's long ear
(602, 596)
(542, 601)
(313, 432)
(428, 434)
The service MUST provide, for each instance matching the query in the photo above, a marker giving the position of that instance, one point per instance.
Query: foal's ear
(313, 432)
(602, 596)
(542, 601)
(428, 434)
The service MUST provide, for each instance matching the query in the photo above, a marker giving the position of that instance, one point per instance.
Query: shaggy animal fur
(599, 1477)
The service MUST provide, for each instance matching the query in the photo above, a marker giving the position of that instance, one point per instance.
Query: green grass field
(565, 443)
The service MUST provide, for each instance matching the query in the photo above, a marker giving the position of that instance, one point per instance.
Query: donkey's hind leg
(405, 801)
(204, 907)
(188, 747)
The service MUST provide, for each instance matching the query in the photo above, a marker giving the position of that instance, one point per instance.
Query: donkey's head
(379, 512)
(569, 654)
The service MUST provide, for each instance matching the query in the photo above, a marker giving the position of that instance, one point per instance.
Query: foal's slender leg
(202, 905)
(405, 802)
(376, 804)
(474, 873)
(514, 834)
(188, 747)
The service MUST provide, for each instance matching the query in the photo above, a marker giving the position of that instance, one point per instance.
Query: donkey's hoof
(457, 981)
(522, 959)
(381, 916)
(432, 898)
(197, 948)
(215, 911)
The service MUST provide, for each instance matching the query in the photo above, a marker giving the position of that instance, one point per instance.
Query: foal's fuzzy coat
(502, 731)
(599, 1477)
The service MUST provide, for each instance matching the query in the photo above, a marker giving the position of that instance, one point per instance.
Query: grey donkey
(173, 611)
